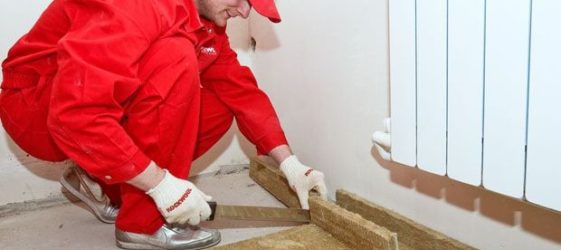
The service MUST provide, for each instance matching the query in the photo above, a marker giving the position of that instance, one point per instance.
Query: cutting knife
(258, 213)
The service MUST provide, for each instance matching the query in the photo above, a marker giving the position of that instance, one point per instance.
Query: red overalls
(115, 85)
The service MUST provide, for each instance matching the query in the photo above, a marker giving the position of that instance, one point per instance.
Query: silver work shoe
(168, 237)
(81, 185)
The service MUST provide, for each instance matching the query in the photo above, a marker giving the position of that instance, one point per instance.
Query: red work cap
(266, 8)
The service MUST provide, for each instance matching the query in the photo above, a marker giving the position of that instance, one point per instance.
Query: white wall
(325, 68)
(25, 178)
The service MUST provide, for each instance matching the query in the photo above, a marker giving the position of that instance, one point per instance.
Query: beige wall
(325, 68)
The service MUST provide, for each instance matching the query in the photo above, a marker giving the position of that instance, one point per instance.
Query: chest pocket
(207, 51)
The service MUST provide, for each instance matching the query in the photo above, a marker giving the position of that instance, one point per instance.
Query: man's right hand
(180, 201)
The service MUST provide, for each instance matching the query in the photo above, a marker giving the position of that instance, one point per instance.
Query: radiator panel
(544, 125)
(466, 26)
(403, 82)
(431, 85)
(506, 83)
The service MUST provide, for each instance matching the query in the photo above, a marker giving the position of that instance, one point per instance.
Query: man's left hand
(302, 179)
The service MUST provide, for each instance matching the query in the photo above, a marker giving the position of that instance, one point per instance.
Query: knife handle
(212, 205)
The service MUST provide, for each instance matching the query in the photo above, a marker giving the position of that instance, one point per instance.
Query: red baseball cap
(266, 8)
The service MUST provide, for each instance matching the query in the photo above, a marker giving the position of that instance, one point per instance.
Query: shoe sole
(68, 186)
(141, 246)
(129, 245)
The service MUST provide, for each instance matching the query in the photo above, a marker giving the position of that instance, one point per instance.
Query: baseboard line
(17, 208)
(64, 198)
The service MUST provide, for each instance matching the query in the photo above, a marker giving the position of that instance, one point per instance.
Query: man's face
(219, 11)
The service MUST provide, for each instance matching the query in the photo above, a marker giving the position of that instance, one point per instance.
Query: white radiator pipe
(382, 140)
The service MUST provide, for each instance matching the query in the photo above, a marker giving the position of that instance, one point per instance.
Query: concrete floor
(72, 226)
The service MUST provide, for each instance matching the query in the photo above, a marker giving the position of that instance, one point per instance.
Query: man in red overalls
(133, 91)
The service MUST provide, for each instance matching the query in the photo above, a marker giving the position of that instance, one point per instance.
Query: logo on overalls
(208, 50)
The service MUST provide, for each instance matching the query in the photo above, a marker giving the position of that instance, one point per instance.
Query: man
(133, 91)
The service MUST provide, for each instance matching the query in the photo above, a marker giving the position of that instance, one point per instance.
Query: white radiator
(476, 93)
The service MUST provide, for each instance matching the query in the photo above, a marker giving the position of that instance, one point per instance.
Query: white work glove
(179, 201)
(302, 179)
(382, 141)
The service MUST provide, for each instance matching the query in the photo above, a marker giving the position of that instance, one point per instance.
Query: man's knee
(168, 99)
(168, 54)
(169, 69)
